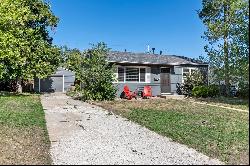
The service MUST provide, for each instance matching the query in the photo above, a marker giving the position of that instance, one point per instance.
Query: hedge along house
(60, 81)
(161, 72)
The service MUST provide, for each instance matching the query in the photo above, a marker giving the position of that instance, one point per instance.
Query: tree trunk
(19, 85)
(226, 51)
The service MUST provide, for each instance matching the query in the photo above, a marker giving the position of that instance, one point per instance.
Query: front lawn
(227, 102)
(217, 132)
(23, 134)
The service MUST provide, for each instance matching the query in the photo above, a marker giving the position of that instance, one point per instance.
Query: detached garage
(58, 82)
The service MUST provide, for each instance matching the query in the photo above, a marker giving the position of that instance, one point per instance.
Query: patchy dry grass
(216, 132)
(23, 134)
(227, 102)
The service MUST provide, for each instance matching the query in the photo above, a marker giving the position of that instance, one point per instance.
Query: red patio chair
(147, 92)
(129, 94)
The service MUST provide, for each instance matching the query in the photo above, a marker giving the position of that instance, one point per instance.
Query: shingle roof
(144, 58)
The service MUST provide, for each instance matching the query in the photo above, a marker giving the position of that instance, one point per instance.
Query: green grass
(23, 126)
(217, 132)
(20, 111)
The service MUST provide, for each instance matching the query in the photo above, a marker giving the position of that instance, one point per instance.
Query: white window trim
(124, 67)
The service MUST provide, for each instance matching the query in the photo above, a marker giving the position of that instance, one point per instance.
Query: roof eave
(149, 63)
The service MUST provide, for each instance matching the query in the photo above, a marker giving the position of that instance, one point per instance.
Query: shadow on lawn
(227, 100)
(10, 94)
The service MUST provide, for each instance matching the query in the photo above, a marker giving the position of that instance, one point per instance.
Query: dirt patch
(22, 146)
(125, 106)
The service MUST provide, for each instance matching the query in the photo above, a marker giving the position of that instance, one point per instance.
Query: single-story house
(161, 72)
(60, 81)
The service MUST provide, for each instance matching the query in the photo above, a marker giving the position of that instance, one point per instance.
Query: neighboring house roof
(63, 71)
(144, 58)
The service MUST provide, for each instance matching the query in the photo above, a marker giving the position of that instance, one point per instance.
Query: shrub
(108, 93)
(97, 75)
(200, 91)
(205, 91)
(213, 90)
(10, 85)
(77, 87)
(187, 89)
(196, 78)
(243, 91)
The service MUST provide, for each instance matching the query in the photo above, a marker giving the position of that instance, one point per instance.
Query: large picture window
(131, 74)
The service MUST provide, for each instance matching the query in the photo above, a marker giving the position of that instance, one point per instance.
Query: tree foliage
(26, 49)
(96, 74)
(72, 59)
(227, 23)
(196, 78)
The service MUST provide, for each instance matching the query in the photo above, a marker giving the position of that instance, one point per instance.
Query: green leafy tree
(97, 74)
(26, 49)
(227, 23)
(72, 59)
(196, 78)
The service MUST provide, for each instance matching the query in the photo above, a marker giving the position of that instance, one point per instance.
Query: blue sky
(172, 26)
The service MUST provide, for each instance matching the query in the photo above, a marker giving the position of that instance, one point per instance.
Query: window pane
(185, 70)
(142, 74)
(132, 74)
(120, 74)
(165, 70)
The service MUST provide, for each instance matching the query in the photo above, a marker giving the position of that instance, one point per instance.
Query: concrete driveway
(81, 133)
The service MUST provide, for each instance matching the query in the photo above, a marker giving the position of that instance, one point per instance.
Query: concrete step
(166, 93)
(173, 96)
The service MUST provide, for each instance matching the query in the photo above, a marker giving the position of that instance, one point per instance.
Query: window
(131, 74)
(165, 70)
(120, 74)
(186, 72)
(142, 74)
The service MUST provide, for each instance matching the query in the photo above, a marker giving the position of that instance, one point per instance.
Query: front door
(165, 80)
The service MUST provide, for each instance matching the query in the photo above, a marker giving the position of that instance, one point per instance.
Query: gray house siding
(155, 74)
(161, 82)
(176, 76)
(155, 83)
